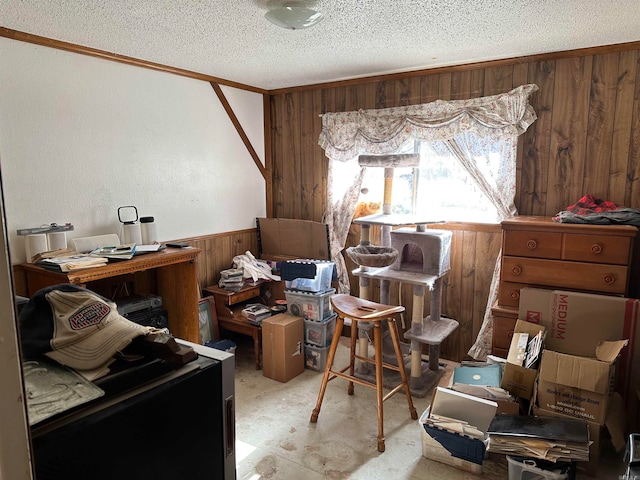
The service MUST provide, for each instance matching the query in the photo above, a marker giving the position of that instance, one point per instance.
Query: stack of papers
(546, 438)
(525, 349)
(453, 425)
(154, 247)
(232, 279)
(117, 252)
(71, 263)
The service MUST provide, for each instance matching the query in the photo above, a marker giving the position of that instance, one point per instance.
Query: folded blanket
(600, 212)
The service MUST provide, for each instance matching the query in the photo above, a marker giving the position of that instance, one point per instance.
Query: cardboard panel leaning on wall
(81, 136)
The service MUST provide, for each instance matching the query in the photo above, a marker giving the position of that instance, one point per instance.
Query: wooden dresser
(537, 252)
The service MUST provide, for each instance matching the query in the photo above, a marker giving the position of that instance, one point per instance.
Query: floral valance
(347, 134)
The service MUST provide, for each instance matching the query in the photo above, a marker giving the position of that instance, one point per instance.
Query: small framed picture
(209, 330)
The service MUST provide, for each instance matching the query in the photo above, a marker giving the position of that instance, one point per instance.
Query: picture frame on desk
(208, 320)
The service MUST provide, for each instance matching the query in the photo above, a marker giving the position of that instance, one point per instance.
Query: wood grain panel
(277, 177)
(445, 86)
(314, 172)
(602, 106)
(569, 130)
(218, 250)
(429, 89)
(453, 280)
(385, 94)
(460, 85)
(623, 118)
(632, 191)
(353, 99)
(467, 289)
(292, 167)
(404, 91)
(486, 255)
(531, 194)
(498, 80)
(586, 136)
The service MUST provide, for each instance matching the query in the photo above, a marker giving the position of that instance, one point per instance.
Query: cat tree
(420, 257)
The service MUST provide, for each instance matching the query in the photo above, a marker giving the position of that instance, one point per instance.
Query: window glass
(439, 189)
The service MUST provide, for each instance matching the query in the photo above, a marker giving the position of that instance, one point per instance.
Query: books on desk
(117, 252)
(255, 313)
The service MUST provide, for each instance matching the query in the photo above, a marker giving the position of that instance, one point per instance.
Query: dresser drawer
(562, 274)
(509, 293)
(597, 249)
(504, 321)
(533, 244)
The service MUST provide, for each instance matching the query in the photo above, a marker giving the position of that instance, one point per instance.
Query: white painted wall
(14, 433)
(81, 136)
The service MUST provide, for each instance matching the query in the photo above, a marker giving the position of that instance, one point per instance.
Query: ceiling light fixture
(294, 15)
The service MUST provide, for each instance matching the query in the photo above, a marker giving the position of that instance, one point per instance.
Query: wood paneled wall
(586, 140)
(218, 251)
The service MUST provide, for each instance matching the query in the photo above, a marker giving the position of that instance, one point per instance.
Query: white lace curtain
(500, 117)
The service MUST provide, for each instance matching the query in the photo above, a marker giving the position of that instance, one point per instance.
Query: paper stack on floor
(545, 438)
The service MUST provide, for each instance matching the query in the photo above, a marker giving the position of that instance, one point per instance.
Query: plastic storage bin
(315, 358)
(320, 333)
(312, 306)
(527, 469)
(460, 451)
(321, 282)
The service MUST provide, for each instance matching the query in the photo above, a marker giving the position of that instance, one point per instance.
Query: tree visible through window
(439, 189)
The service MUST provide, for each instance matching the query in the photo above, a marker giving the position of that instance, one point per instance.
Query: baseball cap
(75, 327)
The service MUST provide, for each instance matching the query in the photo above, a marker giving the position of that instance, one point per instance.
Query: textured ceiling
(231, 39)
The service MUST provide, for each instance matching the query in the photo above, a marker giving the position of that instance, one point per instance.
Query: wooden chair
(359, 310)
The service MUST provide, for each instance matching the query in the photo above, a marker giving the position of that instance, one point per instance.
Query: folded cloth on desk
(254, 269)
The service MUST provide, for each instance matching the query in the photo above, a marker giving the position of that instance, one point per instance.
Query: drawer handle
(517, 270)
(532, 244)
(609, 279)
(515, 295)
(595, 248)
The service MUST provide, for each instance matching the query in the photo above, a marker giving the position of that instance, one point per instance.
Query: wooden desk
(170, 273)
(228, 310)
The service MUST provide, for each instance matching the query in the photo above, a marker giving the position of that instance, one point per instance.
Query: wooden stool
(359, 310)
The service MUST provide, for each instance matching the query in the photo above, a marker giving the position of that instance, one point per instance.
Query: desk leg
(256, 347)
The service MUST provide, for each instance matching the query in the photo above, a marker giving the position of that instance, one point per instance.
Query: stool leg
(352, 353)
(377, 340)
(393, 330)
(327, 369)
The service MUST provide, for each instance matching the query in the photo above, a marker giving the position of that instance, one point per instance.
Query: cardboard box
(281, 239)
(578, 386)
(516, 379)
(282, 347)
(577, 322)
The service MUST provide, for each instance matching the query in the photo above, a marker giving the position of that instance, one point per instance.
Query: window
(439, 189)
